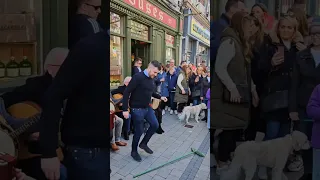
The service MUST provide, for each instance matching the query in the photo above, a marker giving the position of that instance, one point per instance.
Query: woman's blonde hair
(184, 70)
(302, 20)
(290, 19)
(258, 37)
(237, 24)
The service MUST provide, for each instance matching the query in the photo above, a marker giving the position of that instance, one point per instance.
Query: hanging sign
(153, 11)
(139, 31)
(200, 32)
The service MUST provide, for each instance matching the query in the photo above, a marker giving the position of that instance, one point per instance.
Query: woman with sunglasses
(306, 76)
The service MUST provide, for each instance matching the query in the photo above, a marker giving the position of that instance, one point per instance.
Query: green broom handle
(163, 165)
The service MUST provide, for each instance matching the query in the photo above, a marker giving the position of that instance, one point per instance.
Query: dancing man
(140, 90)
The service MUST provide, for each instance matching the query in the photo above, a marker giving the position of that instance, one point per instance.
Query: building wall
(193, 43)
(159, 29)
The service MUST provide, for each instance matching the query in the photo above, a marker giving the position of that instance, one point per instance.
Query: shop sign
(169, 40)
(199, 31)
(139, 31)
(153, 11)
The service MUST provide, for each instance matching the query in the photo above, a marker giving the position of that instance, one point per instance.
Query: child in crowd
(313, 111)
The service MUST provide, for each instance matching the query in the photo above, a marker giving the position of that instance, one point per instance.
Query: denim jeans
(276, 129)
(196, 101)
(173, 105)
(63, 172)
(87, 163)
(316, 164)
(138, 117)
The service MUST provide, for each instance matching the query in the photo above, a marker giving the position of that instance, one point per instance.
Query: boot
(160, 130)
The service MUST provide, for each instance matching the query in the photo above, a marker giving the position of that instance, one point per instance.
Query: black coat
(33, 90)
(306, 76)
(194, 86)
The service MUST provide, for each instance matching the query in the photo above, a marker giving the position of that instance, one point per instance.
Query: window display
(170, 53)
(115, 60)
(115, 23)
(116, 52)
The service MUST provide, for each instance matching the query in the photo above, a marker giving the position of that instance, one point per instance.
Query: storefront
(29, 29)
(196, 42)
(144, 29)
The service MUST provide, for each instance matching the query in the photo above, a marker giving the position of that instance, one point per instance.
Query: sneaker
(136, 156)
(295, 163)
(171, 112)
(146, 148)
(169, 109)
(176, 112)
(262, 173)
(163, 112)
(166, 108)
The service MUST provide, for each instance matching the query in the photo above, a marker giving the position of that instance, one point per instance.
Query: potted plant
(118, 83)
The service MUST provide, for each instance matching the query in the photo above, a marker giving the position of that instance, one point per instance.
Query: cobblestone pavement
(175, 142)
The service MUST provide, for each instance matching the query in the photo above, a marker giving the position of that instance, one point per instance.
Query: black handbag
(243, 91)
(275, 101)
(196, 93)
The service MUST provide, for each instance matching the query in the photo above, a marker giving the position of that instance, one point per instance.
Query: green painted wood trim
(127, 48)
(62, 23)
(55, 24)
(46, 25)
(141, 17)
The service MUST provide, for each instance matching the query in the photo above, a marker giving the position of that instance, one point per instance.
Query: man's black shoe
(136, 156)
(146, 148)
(159, 131)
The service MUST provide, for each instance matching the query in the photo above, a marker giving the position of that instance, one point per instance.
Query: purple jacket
(208, 97)
(313, 111)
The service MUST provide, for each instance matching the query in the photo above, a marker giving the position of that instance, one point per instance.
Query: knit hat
(315, 26)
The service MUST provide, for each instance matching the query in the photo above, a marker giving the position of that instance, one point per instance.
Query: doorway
(141, 49)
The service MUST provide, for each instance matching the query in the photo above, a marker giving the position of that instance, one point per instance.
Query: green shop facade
(148, 29)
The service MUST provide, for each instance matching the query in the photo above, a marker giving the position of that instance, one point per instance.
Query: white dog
(192, 110)
(272, 154)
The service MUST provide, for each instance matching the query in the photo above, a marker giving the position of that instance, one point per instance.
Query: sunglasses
(95, 7)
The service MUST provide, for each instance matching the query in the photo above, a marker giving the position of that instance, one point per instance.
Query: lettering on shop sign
(139, 31)
(200, 32)
(169, 40)
(153, 11)
(13, 27)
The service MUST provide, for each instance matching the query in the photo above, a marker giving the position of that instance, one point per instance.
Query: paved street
(175, 142)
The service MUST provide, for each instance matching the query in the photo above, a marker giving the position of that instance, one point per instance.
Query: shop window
(115, 23)
(115, 60)
(116, 51)
(19, 42)
(170, 53)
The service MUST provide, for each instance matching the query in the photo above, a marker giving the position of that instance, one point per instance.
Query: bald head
(127, 80)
